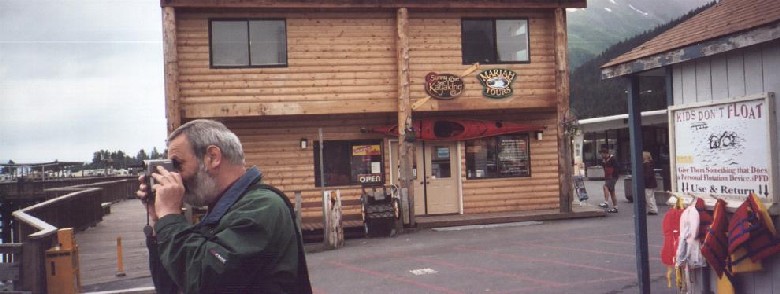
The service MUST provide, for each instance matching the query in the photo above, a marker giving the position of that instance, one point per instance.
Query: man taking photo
(247, 242)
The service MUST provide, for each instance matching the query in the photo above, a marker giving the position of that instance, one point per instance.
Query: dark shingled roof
(724, 18)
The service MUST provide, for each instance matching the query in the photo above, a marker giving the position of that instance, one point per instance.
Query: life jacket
(715, 245)
(671, 229)
(689, 250)
(705, 219)
(752, 229)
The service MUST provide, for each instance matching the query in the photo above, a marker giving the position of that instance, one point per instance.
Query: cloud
(77, 76)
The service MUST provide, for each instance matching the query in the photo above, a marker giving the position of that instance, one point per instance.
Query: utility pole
(562, 86)
(405, 148)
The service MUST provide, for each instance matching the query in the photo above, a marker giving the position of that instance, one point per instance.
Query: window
(247, 43)
(494, 40)
(498, 157)
(349, 163)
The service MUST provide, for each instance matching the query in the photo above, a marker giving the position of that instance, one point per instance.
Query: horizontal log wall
(435, 46)
(540, 191)
(273, 145)
(345, 62)
(337, 63)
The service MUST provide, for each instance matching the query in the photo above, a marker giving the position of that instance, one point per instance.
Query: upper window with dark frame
(490, 41)
(248, 43)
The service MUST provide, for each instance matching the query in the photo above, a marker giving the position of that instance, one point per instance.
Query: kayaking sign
(443, 86)
(497, 82)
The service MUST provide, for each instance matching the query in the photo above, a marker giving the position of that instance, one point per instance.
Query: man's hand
(141, 194)
(169, 191)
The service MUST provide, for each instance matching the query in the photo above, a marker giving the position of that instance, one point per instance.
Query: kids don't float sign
(724, 149)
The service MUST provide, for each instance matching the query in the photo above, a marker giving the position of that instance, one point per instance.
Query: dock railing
(77, 207)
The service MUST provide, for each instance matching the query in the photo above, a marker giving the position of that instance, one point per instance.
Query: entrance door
(436, 177)
(440, 177)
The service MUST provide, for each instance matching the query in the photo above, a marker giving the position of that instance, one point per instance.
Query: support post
(638, 184)
(33, 273)
(405, 148)
(120, 263)
(669, 82)
(562, 93)
(171, 59)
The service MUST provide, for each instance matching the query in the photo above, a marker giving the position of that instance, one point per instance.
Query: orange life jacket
(715, 245)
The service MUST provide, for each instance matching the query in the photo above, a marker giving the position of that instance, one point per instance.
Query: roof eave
(709, 47)
(362, 4)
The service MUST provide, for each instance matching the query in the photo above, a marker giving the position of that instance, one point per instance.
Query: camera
(150, 167)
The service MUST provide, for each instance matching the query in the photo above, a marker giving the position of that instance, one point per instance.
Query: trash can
(62, 265)
(629, 192)
(627, 189)
(379, 212)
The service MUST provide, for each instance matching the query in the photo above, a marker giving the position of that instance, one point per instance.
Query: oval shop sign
(496, 82)
(443, 86)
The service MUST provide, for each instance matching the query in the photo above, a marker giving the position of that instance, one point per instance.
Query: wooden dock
(98, 248)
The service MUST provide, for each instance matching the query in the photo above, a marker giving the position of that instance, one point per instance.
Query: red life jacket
(705, 219)
(751, 228)
(715, 245)
(671, 229)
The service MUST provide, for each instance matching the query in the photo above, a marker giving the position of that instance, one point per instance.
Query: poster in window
(512, 157)
(365, 150)
(442, 152)
(367, 164)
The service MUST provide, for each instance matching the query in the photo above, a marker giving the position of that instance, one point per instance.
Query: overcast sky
(77, 76)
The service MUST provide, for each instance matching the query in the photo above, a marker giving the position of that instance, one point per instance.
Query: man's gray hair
(202, 133)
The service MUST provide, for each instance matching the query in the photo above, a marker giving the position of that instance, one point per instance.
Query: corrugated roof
(724, 18)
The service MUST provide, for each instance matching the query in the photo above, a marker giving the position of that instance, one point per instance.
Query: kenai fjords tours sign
(724, 149)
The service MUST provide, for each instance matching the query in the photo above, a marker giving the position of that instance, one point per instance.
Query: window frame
(318, 182)
(527, 138)
(495, 39)
(249, 44)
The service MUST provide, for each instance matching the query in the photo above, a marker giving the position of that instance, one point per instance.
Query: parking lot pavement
(595, 255)
(591, 255)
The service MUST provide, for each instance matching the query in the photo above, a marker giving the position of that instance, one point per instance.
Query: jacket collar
(231, 195)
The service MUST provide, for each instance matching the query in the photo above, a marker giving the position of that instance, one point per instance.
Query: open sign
(370, 178)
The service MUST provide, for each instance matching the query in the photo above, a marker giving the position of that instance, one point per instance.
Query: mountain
(606, 22)
(592, 96)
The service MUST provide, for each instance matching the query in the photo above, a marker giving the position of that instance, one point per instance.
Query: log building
(289, 77)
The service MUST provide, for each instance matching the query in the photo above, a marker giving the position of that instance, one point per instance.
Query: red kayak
(458, 129)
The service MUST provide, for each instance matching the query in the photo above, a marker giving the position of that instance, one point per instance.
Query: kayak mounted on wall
(457, 129)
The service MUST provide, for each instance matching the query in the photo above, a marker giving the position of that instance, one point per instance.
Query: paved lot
(595, 255)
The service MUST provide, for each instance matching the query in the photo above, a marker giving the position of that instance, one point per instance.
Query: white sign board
(723, 149)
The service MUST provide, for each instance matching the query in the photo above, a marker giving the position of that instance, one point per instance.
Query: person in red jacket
(611, 175)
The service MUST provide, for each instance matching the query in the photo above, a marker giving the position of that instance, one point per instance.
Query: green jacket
(247, 243)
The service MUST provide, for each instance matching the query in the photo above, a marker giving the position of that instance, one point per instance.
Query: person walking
(611, 175)
(650, 184)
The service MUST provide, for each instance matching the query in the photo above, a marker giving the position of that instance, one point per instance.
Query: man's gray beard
(200, 187)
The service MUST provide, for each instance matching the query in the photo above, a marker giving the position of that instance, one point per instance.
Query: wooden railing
(30, 188)
(75, 207)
